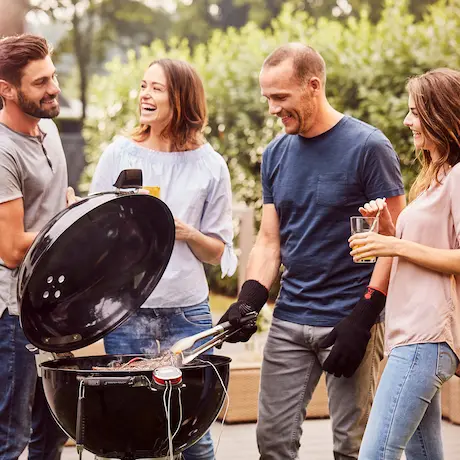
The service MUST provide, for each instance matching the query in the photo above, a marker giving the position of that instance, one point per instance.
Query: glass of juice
(154, 190)
(361, 224)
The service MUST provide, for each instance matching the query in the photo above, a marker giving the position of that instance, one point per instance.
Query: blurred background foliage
(371, 47)
(368, 66)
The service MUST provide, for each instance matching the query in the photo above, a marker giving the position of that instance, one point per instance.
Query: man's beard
(34, 110)
(305, 117)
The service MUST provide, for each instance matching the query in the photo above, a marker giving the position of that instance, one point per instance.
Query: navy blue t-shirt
(316, 184)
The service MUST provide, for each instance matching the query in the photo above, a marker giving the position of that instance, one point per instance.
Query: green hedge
(368, 66)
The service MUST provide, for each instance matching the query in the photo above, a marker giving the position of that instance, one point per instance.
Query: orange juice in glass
(361, 224)
(154, 190)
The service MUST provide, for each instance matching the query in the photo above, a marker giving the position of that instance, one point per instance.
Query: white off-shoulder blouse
(195, 185)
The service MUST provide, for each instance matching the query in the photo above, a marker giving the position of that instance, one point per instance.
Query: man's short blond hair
(307, 61)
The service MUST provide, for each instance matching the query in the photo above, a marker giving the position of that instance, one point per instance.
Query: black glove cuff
(370, 306)
(253, 294)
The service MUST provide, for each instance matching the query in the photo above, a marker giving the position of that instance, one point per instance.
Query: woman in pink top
(422, 309)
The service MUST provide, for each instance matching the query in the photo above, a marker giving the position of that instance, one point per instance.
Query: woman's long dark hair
(436, 95)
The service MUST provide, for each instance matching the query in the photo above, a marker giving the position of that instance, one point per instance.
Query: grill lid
(91, 267)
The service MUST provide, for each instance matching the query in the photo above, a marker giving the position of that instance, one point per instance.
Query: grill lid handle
(129, 178)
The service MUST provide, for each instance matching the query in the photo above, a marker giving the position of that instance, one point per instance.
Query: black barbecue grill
(87, 271)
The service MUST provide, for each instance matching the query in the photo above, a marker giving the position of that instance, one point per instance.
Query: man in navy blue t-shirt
(314, 177)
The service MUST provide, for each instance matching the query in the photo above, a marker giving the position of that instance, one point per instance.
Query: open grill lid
(92, 267)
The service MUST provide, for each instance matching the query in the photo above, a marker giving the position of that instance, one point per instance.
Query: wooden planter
(244, 385)
(243, 390)
(451, 400)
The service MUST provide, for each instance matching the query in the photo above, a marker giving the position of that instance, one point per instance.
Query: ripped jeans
(151, 330)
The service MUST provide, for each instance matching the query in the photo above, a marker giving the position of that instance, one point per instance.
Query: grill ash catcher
(89, 269)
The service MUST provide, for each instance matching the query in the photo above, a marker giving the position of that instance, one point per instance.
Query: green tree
(368, 66)
(375, 7)
(208, 15)
(96, 26)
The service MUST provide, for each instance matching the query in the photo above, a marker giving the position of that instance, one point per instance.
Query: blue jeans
(166, 325)
(22, 401)
(406, 414)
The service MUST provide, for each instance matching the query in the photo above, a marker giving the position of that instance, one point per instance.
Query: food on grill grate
(143, 364)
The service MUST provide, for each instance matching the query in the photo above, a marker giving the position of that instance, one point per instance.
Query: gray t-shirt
(34, 169)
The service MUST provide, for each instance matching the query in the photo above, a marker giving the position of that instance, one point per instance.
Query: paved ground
(237, 442)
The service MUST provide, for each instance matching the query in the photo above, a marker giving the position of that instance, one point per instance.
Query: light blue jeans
(406, 414)
(149, 327)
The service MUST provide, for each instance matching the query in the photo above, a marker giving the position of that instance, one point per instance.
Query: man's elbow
(13, 259)
(12, 263)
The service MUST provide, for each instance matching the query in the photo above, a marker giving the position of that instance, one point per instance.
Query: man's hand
(233, 315)
(350, 343)
(252, 297)
(350, 337)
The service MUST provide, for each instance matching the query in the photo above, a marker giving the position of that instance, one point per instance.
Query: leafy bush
(368, 66)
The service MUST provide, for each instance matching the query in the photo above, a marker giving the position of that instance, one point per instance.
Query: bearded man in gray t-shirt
(33, 183)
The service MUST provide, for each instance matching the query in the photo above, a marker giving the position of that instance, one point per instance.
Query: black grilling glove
(253, 296)
(351, 336)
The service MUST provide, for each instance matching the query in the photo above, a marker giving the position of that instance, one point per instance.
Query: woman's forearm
(205, 248)
(439, 260)
(381, 274)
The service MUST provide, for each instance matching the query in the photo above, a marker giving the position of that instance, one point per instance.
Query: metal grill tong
(221, 332)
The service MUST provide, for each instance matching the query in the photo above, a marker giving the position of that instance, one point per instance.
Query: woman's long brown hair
(188, 101)
(436, 95)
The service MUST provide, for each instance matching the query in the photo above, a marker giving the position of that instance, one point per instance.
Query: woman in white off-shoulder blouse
(180, 167)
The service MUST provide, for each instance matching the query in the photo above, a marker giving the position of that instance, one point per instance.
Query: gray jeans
(291, 370)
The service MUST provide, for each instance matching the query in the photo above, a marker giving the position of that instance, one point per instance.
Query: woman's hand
(205, 248)
(184, 232)
(70, 196)
(371, 244)
(370, 209)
